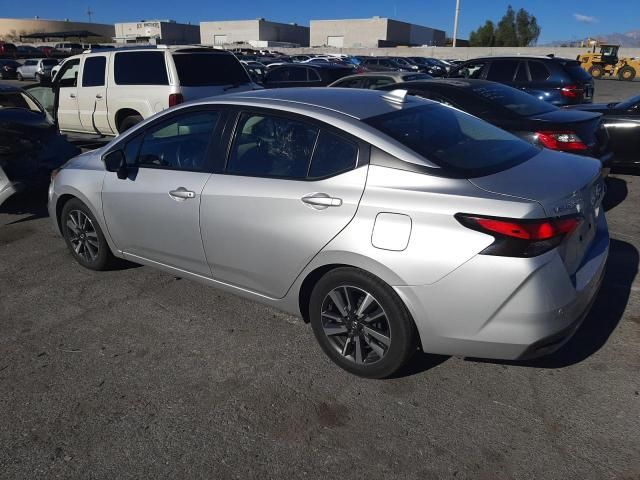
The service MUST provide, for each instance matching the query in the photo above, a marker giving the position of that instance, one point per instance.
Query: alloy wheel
(356, 324)
(83, 235)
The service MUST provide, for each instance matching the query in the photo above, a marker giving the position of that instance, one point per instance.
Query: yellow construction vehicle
(607, 63)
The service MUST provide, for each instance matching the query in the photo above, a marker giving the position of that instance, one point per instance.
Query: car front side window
(180, 143)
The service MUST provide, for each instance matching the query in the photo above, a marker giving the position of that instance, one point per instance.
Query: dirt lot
(137, 374)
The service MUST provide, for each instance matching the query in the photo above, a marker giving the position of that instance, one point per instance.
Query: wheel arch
(124, 113)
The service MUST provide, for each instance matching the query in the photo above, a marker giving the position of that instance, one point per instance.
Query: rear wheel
(84, 237)
(627, 73)
(19, 77)
(361, 323)
(596, 71)
(128, 122)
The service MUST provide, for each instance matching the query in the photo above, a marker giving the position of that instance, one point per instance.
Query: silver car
(389, 222)
(37, 68)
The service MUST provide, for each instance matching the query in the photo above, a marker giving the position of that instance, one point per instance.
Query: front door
(154, 214)
(67, 101)
(92, 97)
(289, 188)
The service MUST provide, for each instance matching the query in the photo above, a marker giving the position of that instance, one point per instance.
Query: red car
(7, 50)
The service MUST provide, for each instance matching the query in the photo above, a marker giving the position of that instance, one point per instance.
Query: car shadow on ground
(617, 191)
(602, 320)
(31, 203)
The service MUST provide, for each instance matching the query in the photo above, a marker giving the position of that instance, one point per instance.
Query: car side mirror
(116, 162)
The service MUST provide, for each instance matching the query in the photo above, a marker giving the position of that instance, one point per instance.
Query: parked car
(108, 91)
(300, 58)
(622, 121)
(36, 68)
(49, 51)
(432, 66)
(376, 216)
(8, 69)
(556, 80)
(378, 79)
(27, 51)
(69, 48)
(382, 64)
(305, 75)
(30, 146)
(536, 121)
(8, 50)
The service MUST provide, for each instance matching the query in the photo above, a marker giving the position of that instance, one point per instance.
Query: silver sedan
(389, 222)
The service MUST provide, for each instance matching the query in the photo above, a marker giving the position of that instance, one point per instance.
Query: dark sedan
(8, 69)
(622, 121)
(534, 120)
(30, 145)
(305, 75)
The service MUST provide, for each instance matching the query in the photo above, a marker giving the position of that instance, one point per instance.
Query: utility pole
(455, 23)
(89, 13)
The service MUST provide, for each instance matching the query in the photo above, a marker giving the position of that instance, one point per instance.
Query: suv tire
(128, 122)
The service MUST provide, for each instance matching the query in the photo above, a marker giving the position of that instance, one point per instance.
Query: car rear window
(516, 101)
(576, 72)
(462, 145)
(50, 62)
(140, 68)
(208, 69)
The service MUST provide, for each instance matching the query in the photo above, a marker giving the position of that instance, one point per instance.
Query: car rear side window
(93, 72)
(539, 72)
(271, 146)
(502, 70)
(577, 73)
(140, 68)
(462, 145)
(208, 69)
(332, 155)
(512, 99)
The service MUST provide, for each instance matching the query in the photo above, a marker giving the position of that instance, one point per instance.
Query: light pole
(455, 23)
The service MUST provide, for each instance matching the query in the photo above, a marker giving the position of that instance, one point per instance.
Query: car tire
(373, 340)
(627, 73)
(128, 122)
(19, 77)
(84, 237)
(596, 71)
(38, 78)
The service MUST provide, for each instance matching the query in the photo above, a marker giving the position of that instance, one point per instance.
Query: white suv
(105, 92)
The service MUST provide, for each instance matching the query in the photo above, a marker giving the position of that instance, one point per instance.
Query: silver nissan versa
(389, 222)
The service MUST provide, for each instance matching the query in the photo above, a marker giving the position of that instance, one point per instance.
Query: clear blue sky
(560, 19)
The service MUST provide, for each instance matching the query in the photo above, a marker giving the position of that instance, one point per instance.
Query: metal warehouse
(258, 32)
(372, 33)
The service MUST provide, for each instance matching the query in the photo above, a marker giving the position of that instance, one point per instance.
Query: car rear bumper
(507, 308)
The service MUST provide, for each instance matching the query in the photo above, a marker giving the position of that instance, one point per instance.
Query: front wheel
(84, 237)
(627, 73)
(19, 77)
(361, 323)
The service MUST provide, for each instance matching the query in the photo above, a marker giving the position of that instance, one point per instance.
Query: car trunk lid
(564, 185)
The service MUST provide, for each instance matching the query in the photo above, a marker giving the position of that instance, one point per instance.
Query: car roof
(524, 57)
(327, 65)
(4, 88)
(353, 102)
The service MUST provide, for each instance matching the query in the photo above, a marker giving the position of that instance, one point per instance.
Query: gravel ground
(137, 374)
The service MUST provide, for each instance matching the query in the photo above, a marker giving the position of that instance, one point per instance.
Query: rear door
(67, 97)
(503, 71)
(92, 96)
(290, 186)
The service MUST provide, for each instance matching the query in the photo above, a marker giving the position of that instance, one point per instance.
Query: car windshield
(629, 103)
(207, 69)
(517, 102)
(461, 144)
(18, 100)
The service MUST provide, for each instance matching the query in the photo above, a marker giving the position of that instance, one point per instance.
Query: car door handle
(72, 95)
(182, 194)
(321, 201)
(98, 95)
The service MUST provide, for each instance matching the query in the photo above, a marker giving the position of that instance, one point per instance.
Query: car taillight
(572, 91)
(565, 141)
(175, 99)
(518, 237)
